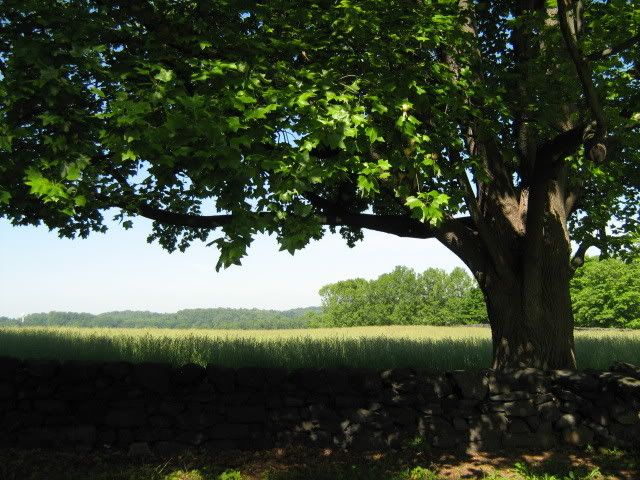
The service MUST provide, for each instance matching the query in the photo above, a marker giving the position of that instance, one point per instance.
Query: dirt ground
(410, 463)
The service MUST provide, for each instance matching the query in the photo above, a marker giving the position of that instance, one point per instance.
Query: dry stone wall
(149, 406)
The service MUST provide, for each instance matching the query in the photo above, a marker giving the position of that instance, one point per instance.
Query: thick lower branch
(578, 258)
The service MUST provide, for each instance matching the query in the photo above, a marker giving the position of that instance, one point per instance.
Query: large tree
(503, 129)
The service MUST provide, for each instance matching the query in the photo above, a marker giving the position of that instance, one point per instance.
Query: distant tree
(344, 303)
(606, 293)
(403, 297)
(505, 130)
(451, 298)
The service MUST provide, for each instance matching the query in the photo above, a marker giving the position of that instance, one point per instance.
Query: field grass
(421, 347)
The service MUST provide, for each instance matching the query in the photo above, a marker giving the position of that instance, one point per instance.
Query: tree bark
(530, 313)
(530, 330)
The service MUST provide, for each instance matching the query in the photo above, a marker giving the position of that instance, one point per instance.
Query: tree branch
(578, 259)
(400, 225)
(563, 144)
(572, 201)
(619, 48)
(570, 39)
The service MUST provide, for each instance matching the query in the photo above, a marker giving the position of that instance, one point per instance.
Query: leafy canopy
(281, 118)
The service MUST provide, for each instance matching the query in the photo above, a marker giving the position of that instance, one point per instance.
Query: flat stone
(483, 440)
(229, 432)
(166, 448)
(125, 418)
(517, 408)
(567, 421)
(431, 409)
(41, 368)
(471, 384)
(35, 437)
(511, 396)
(117, 370)
(82, 435)
(9, 366)
(247, 414)
(522, 379)
(50, 406)
(368, 381)
(529, 440)
(518, 425)
(190, 437)
(434, 426)
(222, 378)
(341, 401)
(153, 376)
(460, 424)
(578, 436)
(75, 372)
(433, 387)
(576, 380)
(629, 386)
(548, 411)
(191, 420)
(402, 415)
(626, 369)
(625, 415)
(140, 449)
(188, 374)
(6, 391)
(446, 440)
(284, 416)
(497, 422)
(397, 375)
(251, 378)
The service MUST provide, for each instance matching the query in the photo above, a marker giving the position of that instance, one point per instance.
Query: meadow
(421, 347)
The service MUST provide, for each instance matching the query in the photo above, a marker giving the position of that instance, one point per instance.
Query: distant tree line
(221, 318)
(605, 293)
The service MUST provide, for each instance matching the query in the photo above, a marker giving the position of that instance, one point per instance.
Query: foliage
(606, 293)
(404, 297)
(220, 318)
(285, 119)
(421, 347)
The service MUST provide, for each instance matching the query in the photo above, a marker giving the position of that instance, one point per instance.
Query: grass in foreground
(421, 347)
(308, 464)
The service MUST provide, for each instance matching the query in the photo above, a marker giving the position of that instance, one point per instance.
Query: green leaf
(366, 185)
(373, 135)
(129, 155)
(233, 123)
(5, 197)
(164, 75)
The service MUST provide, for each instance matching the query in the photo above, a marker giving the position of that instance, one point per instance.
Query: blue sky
(118, 271)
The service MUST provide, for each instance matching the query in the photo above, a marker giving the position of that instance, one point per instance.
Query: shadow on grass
(314, 464)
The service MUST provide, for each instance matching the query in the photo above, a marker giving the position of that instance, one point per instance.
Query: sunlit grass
(422, 347)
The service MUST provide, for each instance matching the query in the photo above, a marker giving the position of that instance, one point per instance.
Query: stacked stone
(151, 406)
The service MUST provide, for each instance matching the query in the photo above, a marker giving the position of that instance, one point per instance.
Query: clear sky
(120, 271)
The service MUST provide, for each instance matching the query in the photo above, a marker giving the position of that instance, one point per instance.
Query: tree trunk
(530, 313)
(531, 329)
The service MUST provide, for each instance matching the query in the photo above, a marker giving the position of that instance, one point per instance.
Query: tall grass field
(420, 347)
